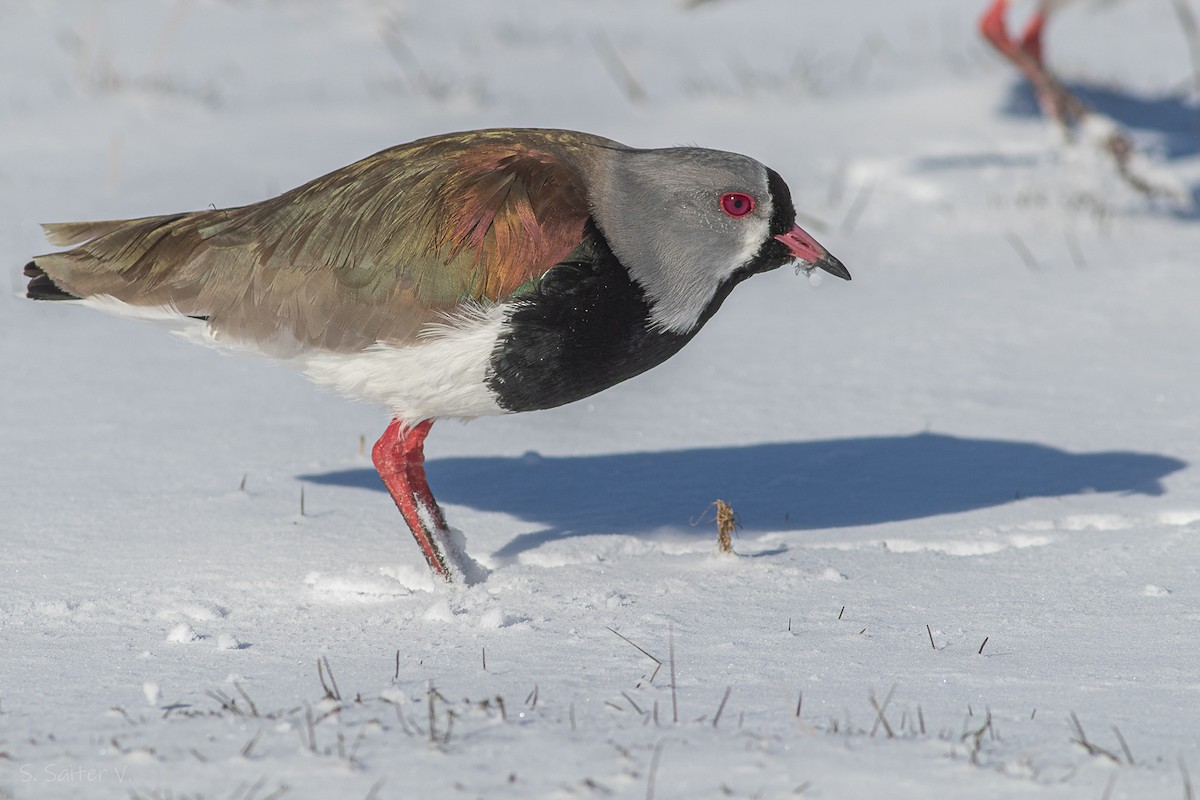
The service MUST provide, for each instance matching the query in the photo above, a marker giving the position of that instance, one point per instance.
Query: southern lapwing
(461, 275)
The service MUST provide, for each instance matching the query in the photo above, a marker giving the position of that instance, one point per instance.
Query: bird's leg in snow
(1031, 40)
(399, 456)
(995, 30)
(1056, 100)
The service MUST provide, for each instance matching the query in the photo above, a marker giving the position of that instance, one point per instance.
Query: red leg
(399, 456)
(1056, 102)
(1031, 40)
(993, 28)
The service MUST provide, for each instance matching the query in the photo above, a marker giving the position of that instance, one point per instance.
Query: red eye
(736, 204)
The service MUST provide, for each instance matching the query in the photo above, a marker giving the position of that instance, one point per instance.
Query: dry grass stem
(726, 525)
(653, 772)
(1022, 250)
(1124, 746)
(880, 718)
(674, 698)
(657, 661)
(331, 688)
(246, 697)
(857, 207)
(617, 69)
(721, 707)
(1092, 749)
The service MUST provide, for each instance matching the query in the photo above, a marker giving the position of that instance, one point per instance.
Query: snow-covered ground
(966, 479)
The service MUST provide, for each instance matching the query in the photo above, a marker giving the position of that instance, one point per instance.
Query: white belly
(444, 375)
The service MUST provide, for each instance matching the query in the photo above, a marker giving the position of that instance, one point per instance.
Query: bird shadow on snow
(781, 486)
(1172, 120)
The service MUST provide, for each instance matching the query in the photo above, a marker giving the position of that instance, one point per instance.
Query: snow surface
(990, 432)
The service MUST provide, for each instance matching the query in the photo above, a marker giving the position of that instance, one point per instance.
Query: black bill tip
(832, 266)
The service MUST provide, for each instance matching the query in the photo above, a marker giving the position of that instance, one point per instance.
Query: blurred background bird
(1027, 51)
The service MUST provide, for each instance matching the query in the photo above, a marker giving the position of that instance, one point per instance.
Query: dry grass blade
(657, 661)
(652, 777)
(250, 790)
(227, 702)
(1022, 250)
(727, 523)
(1077, 257)
(721, 707)
(857, 207)
(976, 736)
(331, 688)
(880, 718)
(617, 69)
(431, 693)
(248, 748)
(1124, 746)
(246, 697)
(674, 699)
(404, 725)
(1082, 740)
(311, 728)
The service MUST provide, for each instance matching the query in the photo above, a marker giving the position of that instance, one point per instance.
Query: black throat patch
(585, 326)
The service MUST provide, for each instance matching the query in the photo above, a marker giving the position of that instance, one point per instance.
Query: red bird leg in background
(1055, 100)
(399, 456)
(995, 31)
(1031, 40)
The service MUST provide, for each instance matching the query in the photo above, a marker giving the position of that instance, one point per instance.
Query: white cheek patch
(686, 290)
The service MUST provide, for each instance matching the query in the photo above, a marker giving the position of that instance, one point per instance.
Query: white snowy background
(992, 431)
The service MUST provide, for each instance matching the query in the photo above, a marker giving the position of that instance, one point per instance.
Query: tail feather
(42, 286)
(66, 234)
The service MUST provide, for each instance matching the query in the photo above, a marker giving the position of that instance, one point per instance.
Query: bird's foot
(399, 456)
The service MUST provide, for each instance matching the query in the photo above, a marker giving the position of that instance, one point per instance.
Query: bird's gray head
(685, 221)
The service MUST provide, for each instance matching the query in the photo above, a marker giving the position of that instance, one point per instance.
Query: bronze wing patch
(369, 253)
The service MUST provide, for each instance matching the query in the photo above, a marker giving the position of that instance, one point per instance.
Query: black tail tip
(42, 287)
